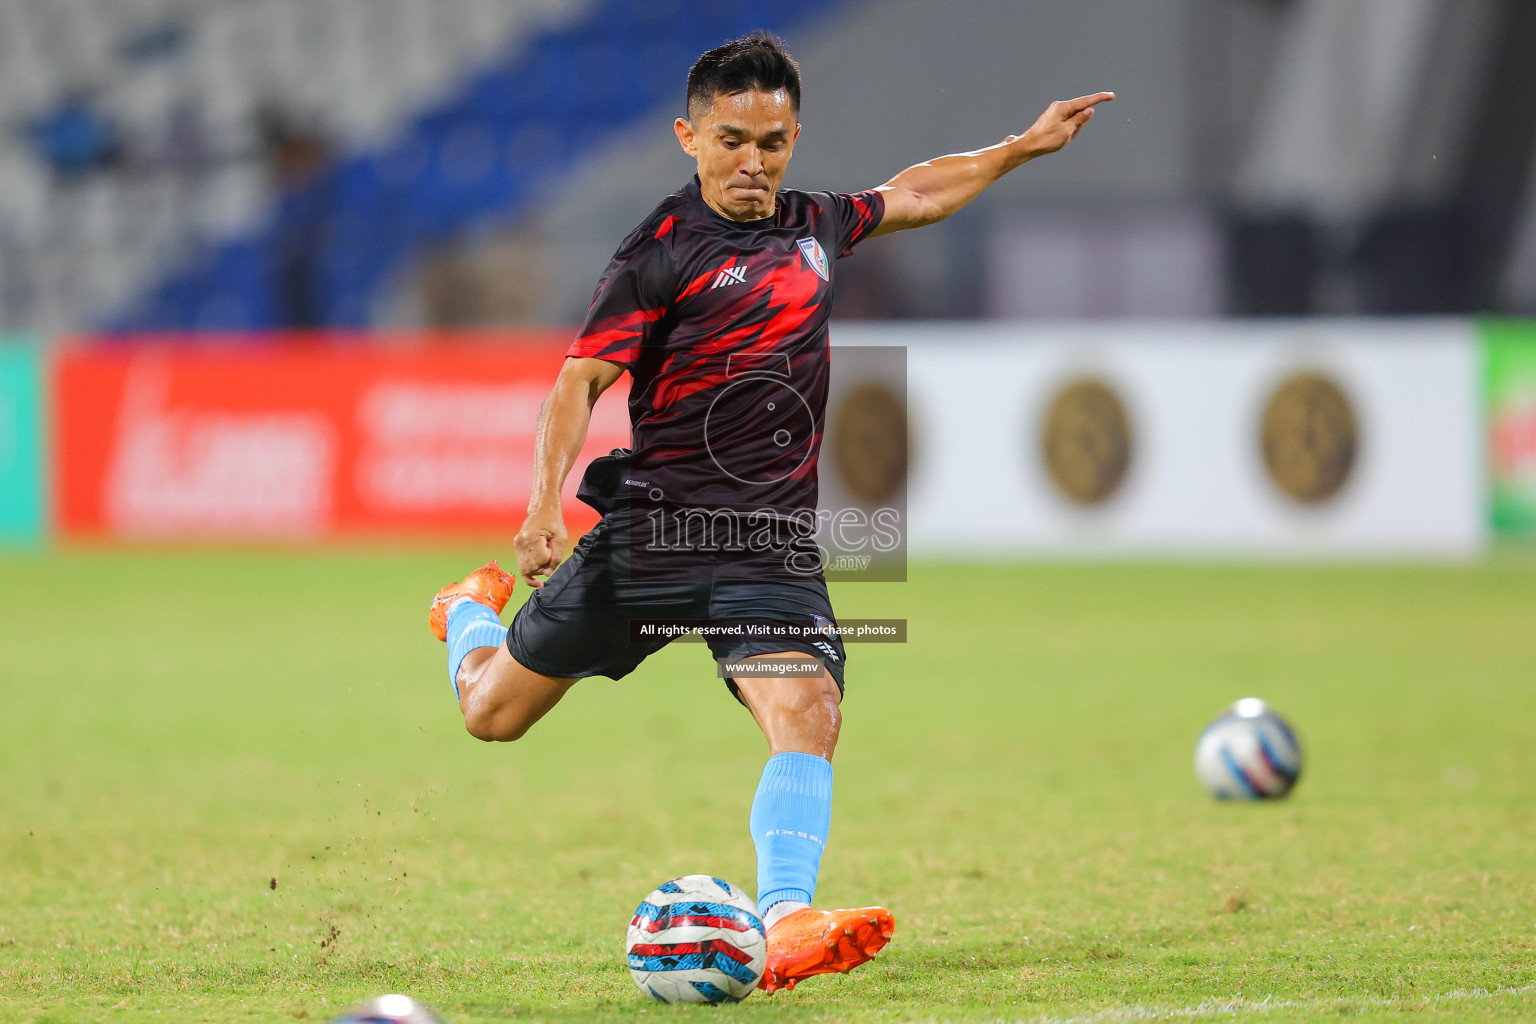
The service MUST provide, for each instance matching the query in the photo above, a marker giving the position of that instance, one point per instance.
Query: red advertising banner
(296, 440)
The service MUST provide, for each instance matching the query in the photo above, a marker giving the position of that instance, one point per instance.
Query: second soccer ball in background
(1248, 753)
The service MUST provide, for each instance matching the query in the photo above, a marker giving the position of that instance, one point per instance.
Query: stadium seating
(431, 117)
(181, 85)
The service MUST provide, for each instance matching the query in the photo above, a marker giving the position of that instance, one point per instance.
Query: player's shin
(470, 625)
(791, 815)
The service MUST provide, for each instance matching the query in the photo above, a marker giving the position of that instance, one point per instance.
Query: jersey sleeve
(632, 296)
(855, 215)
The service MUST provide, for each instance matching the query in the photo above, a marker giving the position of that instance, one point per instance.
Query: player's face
(743, 143)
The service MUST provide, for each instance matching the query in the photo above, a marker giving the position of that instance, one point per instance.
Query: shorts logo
(816, 257)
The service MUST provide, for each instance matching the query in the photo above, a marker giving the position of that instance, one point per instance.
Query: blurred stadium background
(254, 182)
(284, 282)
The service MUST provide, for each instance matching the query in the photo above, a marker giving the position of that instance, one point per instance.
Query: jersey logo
(812, 251)
(729, 275)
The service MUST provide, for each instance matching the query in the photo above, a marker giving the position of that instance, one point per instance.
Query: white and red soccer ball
(697, 939)
(1248, 753)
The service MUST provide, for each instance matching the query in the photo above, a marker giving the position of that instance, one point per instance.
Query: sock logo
(792, 832)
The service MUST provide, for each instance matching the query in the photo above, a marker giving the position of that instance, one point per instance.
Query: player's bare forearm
(935, 189)
(562, 431)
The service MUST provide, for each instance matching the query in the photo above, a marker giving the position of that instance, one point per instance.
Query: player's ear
(685, 137)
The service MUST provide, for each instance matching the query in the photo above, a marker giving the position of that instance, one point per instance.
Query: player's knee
(832, 722)
(834, 712)
(815, 702)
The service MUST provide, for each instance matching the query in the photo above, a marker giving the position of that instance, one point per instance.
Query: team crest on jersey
(815, 256)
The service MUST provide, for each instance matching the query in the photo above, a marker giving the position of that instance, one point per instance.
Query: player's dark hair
(757, 61)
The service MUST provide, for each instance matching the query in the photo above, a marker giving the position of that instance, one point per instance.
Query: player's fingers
(1072, 107)
(543, 561)
(531, 575)
(532, 555)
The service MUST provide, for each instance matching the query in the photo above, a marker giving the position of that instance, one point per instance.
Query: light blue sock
(470, 625)
(791, 815)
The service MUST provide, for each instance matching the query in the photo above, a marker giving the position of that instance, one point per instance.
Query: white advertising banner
(1316, 439)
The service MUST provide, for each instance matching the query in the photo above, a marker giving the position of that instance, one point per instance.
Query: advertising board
(1320, 438)
(1309, 439)
(297, 440)
(21, 442)
(1509, 376)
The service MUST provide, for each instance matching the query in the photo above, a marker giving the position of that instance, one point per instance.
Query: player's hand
(540, 545)
(1060, 123)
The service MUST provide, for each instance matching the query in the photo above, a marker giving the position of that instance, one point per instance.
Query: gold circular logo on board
(1310, 437)
(870, 443)
(1087, 441)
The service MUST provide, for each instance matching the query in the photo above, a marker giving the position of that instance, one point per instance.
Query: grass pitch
(236, 788)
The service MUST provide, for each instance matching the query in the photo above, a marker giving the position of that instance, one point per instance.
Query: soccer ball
(394, 1009)
(697, 939)
(1249, 753)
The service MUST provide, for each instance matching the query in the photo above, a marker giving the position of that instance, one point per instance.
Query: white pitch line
(1237, 1005)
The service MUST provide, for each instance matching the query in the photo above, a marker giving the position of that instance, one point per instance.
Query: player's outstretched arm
(563, 421)
(931, 191)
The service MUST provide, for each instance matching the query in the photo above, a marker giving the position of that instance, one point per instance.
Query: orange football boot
(808, 942)
(488, 585)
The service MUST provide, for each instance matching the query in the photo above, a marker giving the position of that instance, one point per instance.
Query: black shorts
(578, 625)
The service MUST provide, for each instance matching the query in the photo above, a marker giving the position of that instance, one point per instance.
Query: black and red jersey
(723, 326)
